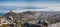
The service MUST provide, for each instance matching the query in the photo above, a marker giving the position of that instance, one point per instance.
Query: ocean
(1, 14)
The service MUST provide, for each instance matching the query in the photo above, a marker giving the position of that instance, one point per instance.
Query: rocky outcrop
(54, 25)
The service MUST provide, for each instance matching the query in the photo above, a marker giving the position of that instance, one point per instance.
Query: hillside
(35, 15)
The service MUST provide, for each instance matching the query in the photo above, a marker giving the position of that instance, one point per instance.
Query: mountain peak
(11, 11)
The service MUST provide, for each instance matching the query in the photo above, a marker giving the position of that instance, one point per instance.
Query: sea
(1, 14)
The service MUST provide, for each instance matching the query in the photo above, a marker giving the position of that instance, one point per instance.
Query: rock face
(28, 14)
(6, 21)
(9, 14)
(19, 16)
(54, 25)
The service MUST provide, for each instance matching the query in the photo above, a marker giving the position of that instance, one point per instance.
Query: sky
(29, 5)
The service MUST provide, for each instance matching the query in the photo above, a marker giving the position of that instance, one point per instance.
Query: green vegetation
(51, 21)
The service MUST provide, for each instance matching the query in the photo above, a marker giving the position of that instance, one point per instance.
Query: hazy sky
(26, 5)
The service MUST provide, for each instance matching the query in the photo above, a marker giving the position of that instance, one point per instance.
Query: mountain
(34, 15)
(9, 14)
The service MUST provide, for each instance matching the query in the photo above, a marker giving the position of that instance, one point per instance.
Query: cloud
(19, 11)
(35, 6)
(9, 4)
(49, 6)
